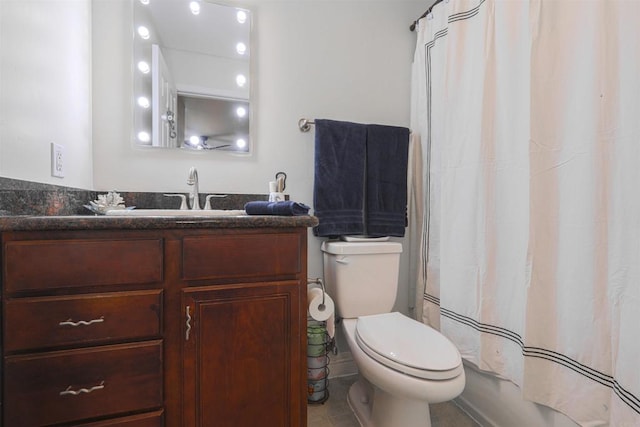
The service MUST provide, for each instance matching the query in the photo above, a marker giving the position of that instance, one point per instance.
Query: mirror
(191, 75)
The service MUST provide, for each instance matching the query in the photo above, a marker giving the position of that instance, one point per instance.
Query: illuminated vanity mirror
(191, 75)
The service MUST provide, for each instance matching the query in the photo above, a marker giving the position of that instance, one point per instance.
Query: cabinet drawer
(48, 264)
(79, 384)
(152, 419)
(236, 256)
(42, 322)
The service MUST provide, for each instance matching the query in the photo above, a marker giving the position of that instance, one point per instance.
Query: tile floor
(335, 412)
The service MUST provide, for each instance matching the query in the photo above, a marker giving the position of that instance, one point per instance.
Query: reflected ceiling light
(144, 136)
(241, 143)
(144, 32)
(145, 2)
(143, 101)
(194, 140)
(195, 7)
(241, 111)
(144, 67)
(241, 48)
(241, 16)
(241, 80)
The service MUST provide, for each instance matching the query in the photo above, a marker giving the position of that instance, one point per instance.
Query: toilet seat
(408, 346)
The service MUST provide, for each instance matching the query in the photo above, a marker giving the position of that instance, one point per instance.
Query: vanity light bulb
(194, 140)
(241, 111)
(241, 143)
(195, 7)
(241, 48)
(145, 2)
(143, 101)
(241, 16)
(144, 136)
(144, 67)
(241, 80)
(144, 32)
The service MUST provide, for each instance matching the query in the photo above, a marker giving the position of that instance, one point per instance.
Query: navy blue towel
(286, 208)
(360, 179)
(386, 199)
(338, 195)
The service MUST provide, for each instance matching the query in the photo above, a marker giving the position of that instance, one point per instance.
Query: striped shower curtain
(527, 233)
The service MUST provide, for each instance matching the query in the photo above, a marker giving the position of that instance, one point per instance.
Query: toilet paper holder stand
(317, 281)
(318, 347)
(331, 343)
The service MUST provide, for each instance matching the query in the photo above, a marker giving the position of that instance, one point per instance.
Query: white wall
(340, 60)
(45, 90)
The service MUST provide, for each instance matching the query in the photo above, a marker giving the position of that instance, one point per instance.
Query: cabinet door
(242, 355)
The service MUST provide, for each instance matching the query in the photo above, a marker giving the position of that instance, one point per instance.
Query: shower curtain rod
(412, 27)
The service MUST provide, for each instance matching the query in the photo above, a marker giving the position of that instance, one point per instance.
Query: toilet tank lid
(345, 248)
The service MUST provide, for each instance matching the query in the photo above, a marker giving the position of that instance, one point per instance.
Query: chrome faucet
(194, 194)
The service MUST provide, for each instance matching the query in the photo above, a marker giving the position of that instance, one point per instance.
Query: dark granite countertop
(31, 206)
(101, 222)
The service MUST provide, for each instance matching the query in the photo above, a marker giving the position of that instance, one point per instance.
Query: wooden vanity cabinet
(167, 327)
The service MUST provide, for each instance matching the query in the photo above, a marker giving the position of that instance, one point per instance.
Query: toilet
(404, 365)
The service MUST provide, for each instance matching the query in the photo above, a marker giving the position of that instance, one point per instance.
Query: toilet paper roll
(318, 310)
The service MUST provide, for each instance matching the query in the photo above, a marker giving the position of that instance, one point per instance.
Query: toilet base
(374, 407)
(359, 399)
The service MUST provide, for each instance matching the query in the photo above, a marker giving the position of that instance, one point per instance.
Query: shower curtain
(526, 222)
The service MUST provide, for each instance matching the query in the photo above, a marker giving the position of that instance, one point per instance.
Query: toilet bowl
(399, 381)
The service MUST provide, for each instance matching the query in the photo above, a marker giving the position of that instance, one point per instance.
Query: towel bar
(305, 124)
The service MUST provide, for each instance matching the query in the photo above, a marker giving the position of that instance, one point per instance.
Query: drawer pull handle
(68, 391)
(70, 322)
(186, 334)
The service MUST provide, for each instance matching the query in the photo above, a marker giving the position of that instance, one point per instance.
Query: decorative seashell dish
(107, 202)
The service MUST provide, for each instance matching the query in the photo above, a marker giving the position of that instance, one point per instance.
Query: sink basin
(175, 212)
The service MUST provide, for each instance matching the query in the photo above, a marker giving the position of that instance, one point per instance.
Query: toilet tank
(361, 277)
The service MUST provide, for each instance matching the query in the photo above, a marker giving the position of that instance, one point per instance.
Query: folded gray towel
(286, 208)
